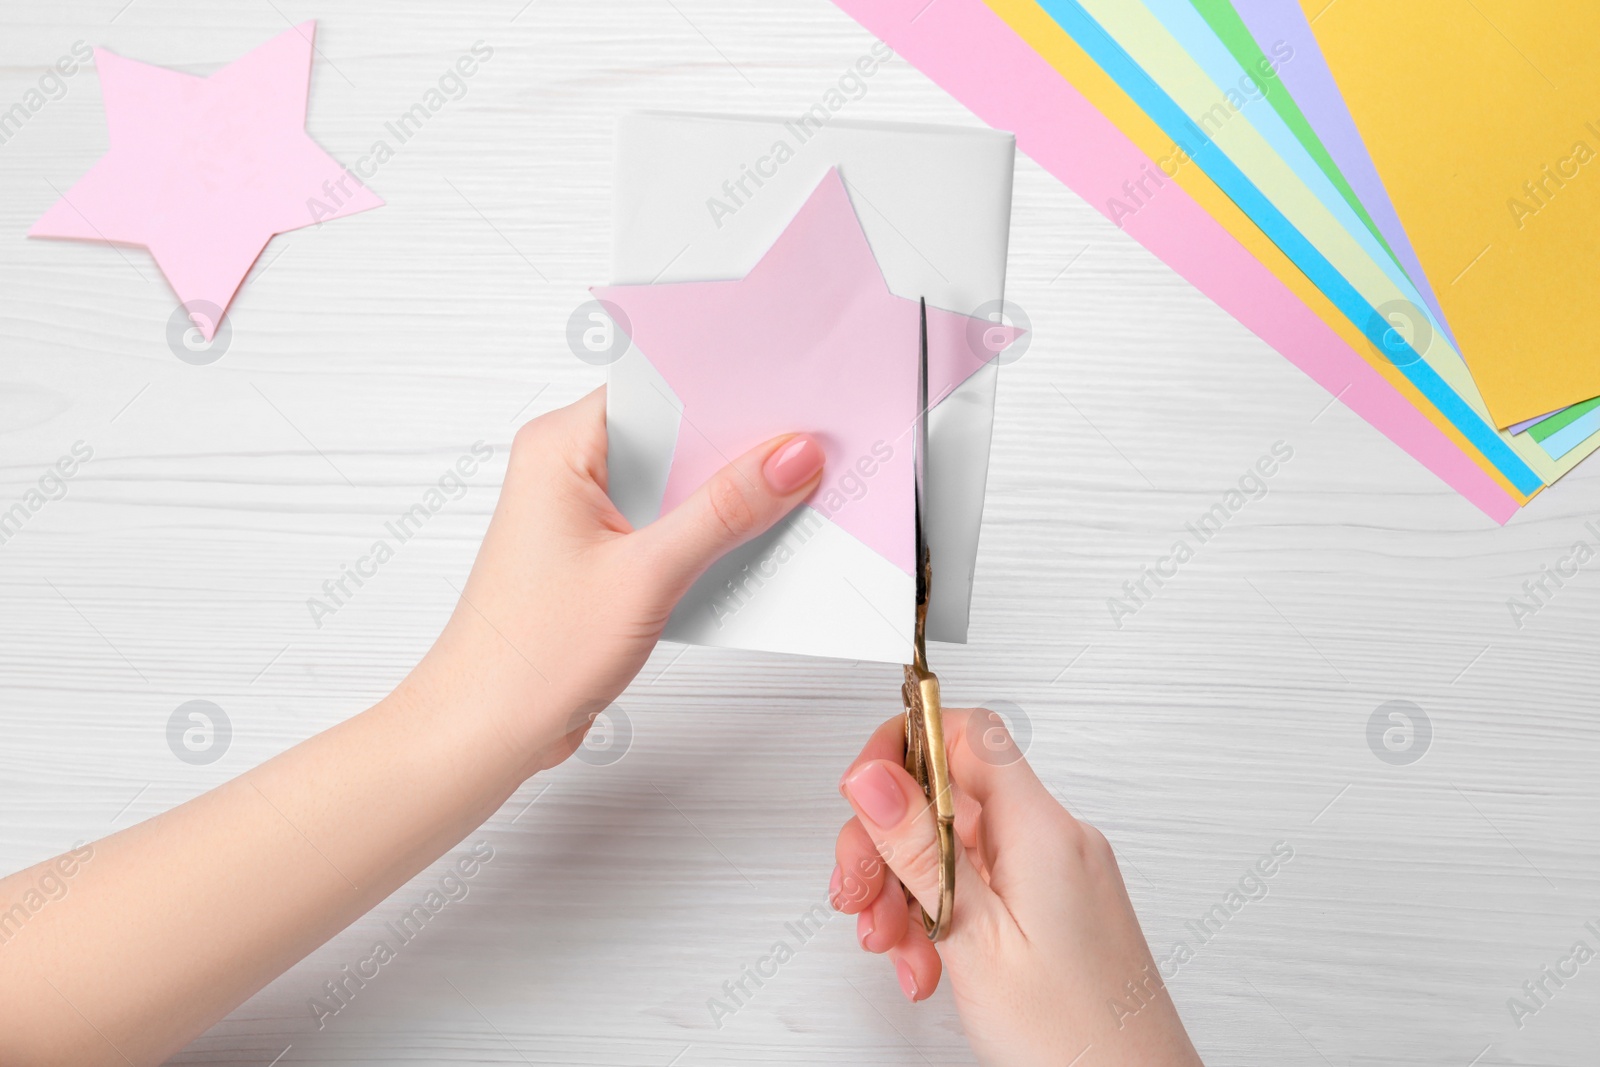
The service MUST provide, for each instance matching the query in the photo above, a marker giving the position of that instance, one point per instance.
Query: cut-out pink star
(204, 171)
(810, 340)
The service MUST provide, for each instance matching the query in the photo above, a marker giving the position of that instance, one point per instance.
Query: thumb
(901, 822)
(740, 501)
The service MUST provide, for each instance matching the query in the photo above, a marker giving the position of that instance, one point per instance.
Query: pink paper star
(204, 171)
(810, 340)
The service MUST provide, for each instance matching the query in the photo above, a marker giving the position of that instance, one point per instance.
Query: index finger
(986, 762)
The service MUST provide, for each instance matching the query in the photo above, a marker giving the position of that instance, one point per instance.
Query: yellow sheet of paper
(1484, 121)
(1036, 27)
(1150, 45)
(1153, 47)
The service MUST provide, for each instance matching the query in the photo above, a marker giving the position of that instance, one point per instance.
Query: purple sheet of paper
(1311, 83)
(1519, 427)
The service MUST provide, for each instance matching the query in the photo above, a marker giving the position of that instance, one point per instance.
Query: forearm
(173, 922)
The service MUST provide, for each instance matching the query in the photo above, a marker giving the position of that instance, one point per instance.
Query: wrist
(503, 728)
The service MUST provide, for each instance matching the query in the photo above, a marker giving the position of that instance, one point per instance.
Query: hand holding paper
(576, 595)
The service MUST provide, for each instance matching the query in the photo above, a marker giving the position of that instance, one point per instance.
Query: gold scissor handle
(928, 763)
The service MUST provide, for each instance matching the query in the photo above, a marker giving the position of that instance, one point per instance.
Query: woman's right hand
(1047, 962)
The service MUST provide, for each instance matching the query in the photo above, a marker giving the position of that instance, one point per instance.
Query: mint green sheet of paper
(1543, 431)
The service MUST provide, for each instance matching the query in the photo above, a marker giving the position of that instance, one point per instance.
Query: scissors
(926, 759)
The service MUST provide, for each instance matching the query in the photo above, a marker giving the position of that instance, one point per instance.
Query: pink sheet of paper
(810, 340)
(961, 44)
(204, 171)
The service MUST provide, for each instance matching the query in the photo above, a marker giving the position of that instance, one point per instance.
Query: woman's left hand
(566, 599)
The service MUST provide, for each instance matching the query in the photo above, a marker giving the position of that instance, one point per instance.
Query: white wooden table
(1230, 713)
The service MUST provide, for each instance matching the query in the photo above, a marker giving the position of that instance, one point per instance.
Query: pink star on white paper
(810, 340)
(205, 171)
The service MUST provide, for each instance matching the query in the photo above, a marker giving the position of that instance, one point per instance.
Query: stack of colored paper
(1394, 196)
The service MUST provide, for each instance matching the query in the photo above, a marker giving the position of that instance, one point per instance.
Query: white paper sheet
(935, 203)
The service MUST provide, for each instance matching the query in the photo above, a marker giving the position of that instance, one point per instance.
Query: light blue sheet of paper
(1569, 437)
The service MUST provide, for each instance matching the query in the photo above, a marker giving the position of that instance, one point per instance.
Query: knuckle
(531, 439)
(550, 448)
(1087, 846)
(916, 861)
(985, 732)
(530, 431)
(980, 926)
(1095, 844)
(857, 886)
(731, 509)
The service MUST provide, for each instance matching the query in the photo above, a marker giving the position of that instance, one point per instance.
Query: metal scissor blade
(926, 759)
(920, 460)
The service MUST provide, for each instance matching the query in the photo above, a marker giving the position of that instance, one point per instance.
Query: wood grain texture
(1228, 714)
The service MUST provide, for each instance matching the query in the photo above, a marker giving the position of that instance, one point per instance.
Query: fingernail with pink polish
(864, 928)
(836, 886)
(908, 981)
(877, 794)
(794, 464)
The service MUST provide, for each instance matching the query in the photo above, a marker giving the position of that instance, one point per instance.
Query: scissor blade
(920, 460)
